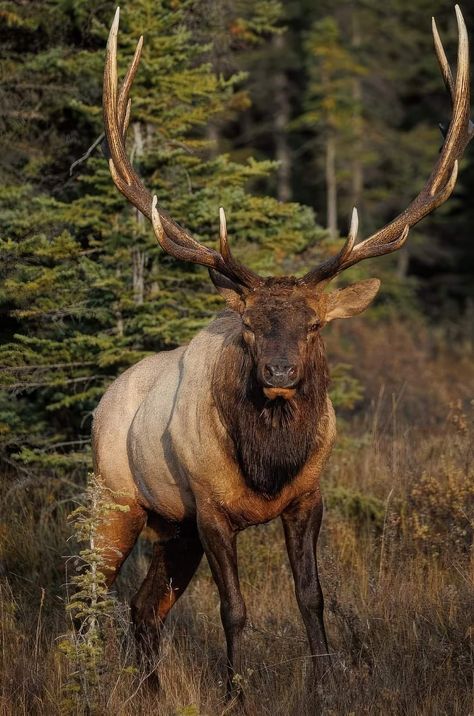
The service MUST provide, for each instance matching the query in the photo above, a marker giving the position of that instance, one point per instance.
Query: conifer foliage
(90, 606)
(86, 290)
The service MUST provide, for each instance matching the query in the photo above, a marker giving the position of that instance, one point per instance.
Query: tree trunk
(331, 186)
(138, 255)
(118, 312)
(138, 275)
(212, 134)
(403, 259)
(281, 118)
(137, 151)
(138, 144)
(357, 168)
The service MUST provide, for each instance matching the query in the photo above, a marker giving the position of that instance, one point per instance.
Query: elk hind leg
(118, 533)
(176, 556)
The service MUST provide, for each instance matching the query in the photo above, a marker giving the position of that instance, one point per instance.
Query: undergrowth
(397, 570)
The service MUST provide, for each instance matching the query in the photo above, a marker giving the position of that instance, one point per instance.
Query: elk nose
(280, 375)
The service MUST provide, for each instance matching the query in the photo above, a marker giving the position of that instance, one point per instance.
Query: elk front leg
(218, 539)
(301, 523)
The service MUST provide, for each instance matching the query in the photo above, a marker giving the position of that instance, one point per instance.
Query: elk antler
(175, 240)
(440, 184)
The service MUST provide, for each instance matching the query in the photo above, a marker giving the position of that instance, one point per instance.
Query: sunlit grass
(397, 569)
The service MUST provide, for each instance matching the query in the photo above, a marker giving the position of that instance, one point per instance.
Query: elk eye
(314, 326)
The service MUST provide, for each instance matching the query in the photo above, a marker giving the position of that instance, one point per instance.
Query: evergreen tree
(87, 291)
(331, 106)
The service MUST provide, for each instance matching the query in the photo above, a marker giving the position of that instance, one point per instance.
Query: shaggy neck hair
(272, 438)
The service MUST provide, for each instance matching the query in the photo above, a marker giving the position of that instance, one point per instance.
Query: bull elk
(235, 428)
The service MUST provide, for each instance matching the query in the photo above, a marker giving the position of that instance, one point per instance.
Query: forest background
(287, 114)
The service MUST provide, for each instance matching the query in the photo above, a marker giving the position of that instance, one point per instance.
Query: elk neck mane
(272, 439)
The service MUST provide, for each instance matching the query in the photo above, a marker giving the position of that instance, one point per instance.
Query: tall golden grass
(396, 564)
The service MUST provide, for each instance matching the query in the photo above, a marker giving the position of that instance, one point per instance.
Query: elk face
(278, 325)
(281, 320)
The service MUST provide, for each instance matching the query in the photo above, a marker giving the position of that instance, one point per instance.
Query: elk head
(281, 317)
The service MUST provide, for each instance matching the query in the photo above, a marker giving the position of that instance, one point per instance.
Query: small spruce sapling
(90, 606)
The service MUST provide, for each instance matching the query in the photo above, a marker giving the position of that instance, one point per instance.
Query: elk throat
(272, 439)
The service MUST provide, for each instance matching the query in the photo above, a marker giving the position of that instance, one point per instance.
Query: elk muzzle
(279, 379)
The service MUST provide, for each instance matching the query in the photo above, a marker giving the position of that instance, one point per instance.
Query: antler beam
(172, 237)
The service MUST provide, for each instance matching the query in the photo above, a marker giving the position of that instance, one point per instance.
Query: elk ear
(349, 301)
(231, 291)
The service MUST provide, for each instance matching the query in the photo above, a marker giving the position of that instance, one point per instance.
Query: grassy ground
(396, 562)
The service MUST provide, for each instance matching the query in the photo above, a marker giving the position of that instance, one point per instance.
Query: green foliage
(346, 391)
(362, 510)
(190, 710)
(332, 69)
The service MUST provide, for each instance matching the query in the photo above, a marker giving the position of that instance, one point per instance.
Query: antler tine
(223, 243)
(185, 253)
(122, 165)
(442, 59)
(458, 132)
(444, 64)
(126, 121)
(352, 235)
(172, 237)
(441, 181)
(124, 103)
(334, 264)
(331, 266)
(460, 19)
(248, 277)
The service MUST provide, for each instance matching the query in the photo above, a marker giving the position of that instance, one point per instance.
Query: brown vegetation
(396, 560)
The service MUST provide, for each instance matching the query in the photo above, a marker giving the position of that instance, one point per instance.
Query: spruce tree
(87, 291)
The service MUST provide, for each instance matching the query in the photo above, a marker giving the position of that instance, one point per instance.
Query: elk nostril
(292, 371)
(268, 371)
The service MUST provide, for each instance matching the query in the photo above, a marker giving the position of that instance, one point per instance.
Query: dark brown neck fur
(272, 439)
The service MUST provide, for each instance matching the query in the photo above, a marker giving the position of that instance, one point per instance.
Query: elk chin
(286, 393)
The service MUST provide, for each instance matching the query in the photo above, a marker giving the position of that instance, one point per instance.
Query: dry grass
(397, 569)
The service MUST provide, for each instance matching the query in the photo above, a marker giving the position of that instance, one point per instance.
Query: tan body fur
(159, 440)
